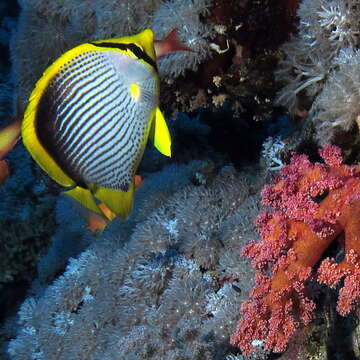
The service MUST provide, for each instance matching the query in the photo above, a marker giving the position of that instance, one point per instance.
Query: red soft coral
(311, 205)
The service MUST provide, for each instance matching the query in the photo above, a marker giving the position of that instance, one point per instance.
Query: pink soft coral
(311, 205)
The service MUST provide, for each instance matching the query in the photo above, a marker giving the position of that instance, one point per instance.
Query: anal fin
(119, 202)
(84, 197)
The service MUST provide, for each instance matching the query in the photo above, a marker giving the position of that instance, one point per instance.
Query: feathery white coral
(340, 22)
(318, 64)
(329, 24)
(185, 16)
(148, 298)
(271, 151)
(300, 71)
(338, 106)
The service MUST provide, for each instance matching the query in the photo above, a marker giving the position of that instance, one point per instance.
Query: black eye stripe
(136, 50)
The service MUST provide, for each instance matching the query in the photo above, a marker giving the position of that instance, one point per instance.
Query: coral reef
(234, 52)
(185, 16)
(71, 218)
(25, 201)
(312, 204)
(244, 56)
(329, 336)
(168, 283)
(26, 224)
(170, 291)
(336, 109)
(71, 237)
(319, 70)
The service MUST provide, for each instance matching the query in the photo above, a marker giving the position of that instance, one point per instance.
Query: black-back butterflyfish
(90, 115)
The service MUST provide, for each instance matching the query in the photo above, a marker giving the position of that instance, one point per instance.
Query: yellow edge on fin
(160, 133)
(84, 197)
(28, 131)
(30, 140)
(119, 202)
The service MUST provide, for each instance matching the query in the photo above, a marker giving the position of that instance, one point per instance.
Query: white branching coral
(311, 65)
(150, 297)
(338, 106)
(171, 226)
(299, 71)
(329, 24)
(334, 22)
(272, 148)
(185, 16)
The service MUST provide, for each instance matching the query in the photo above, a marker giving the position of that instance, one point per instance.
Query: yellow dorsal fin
(160, 133)
(119, 202)
(84, 197)
(144, 39)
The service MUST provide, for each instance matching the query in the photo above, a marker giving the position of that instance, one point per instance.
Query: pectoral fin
(160, 133)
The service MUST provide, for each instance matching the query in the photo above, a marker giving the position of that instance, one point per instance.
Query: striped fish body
(89, 118)
(99, 106)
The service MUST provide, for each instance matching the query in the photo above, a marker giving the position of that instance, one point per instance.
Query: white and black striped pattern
(98, 127)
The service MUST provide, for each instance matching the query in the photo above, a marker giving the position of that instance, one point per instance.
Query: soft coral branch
(312, 204)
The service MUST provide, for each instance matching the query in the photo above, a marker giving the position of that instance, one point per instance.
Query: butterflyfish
(90, 115)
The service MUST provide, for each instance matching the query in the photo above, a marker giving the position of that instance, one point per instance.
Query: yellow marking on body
(135, 91)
